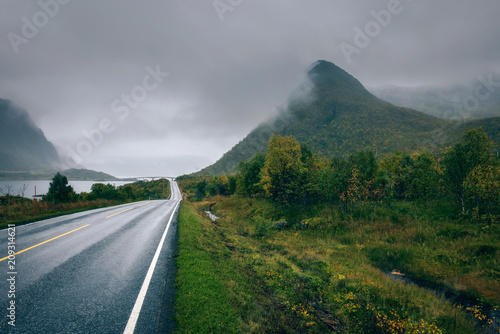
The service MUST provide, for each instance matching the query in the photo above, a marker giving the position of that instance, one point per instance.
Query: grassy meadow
(402, 267)
(23, 210)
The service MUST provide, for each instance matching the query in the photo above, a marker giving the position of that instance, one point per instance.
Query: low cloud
(225, 76)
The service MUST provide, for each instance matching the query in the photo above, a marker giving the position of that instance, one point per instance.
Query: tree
(482, 188)
(250, 174)
(232, 185)
(310, 175)
(281, 172)
(200, 192)
(59, 190)
(329, 184)
(357, 192)
(103, 191)
(222, 183)
(22, 189)
(366, 163)
(212, 187)
(474, 149)
(127, 192)
(334, 179)
(397, 166)
(422, 179)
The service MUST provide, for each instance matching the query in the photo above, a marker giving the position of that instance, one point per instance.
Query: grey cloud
(225, 76)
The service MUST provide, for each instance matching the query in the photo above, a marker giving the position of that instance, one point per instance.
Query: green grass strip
(202, 302)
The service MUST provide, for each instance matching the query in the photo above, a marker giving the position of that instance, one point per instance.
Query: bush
(262, 228)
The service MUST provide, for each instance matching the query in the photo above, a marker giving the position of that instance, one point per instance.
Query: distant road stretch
(109, 270)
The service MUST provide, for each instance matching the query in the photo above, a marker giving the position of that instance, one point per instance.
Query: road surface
(109, 270)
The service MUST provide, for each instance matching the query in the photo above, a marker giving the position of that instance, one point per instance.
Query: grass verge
(202, 304)
(217, 290)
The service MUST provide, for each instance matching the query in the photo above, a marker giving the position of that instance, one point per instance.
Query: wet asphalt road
(88, 278)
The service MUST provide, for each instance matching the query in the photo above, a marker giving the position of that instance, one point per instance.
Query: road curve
(83, 273)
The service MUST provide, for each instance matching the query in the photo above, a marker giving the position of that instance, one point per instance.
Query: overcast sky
(172, 85)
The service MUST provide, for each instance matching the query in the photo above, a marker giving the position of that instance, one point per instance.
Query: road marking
(134, 316)
(114, 214)
(62, 235)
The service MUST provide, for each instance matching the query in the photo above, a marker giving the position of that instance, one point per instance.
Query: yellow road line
(62, 235)
(114, 214)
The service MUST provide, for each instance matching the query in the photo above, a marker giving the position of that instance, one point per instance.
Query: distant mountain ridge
(73, 174)
(474, 100)
(26, 154)
(87, 175)
(339, 116)
(23, 145)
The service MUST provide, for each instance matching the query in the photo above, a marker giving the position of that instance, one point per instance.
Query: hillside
(490, 125)
(87, 175)
(337, 117)
(25, 153)
(23, 145)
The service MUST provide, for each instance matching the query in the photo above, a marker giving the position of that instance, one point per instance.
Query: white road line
(134, 316)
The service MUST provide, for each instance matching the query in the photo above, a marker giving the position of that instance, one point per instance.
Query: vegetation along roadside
(61, 199)
(403, 244)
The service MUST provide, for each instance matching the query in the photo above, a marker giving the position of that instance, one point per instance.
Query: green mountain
(23, 145)
(490, 125)
(87, 175)
(336, 116)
